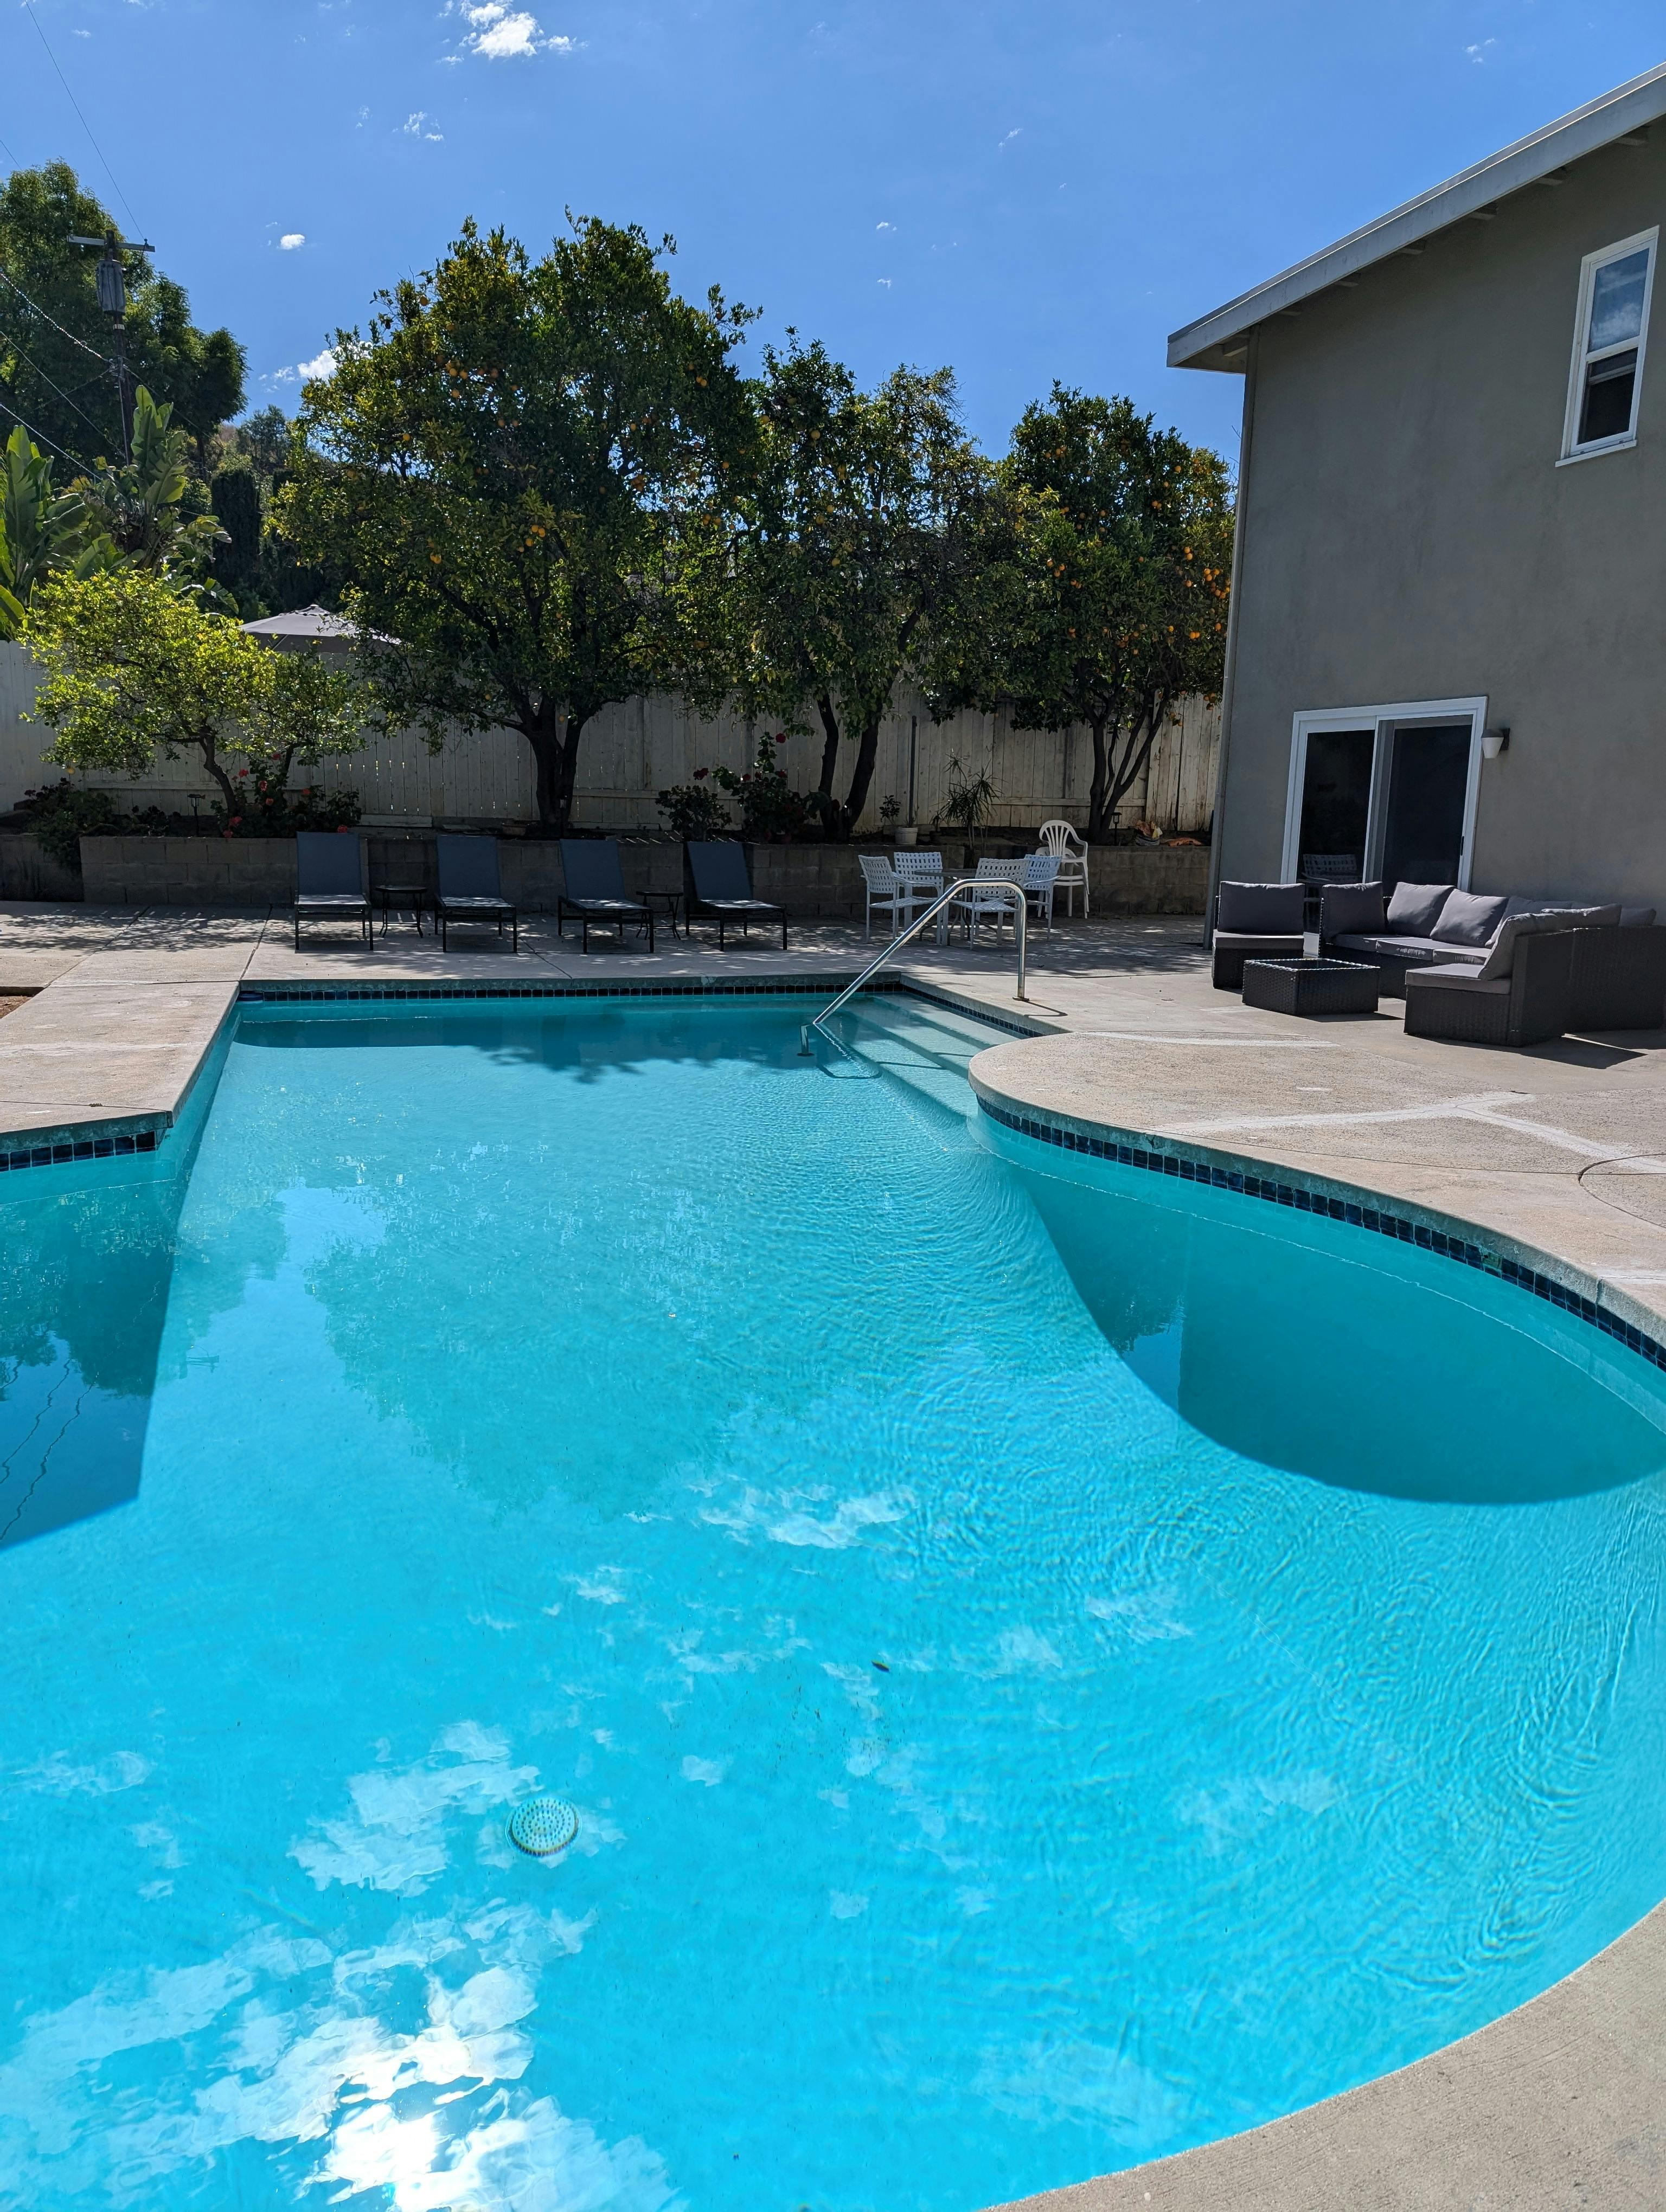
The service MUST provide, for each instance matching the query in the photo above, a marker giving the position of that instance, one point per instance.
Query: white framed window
(1610, 334)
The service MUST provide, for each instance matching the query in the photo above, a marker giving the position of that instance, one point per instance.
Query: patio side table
(1312, 987)
(397, 897)
(671, 900)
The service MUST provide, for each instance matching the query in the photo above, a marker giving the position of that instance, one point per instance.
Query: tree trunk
(1139, 752)
(861, 777)
(1098, 827)
(554, 739)
(205, 744)
(829, 747)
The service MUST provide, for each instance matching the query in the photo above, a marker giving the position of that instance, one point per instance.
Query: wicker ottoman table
(1312, 987)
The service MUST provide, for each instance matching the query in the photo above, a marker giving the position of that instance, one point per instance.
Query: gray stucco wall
(1408, 535)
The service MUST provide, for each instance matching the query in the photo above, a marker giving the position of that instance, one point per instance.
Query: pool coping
(1469, 2118)
(1545, 1274)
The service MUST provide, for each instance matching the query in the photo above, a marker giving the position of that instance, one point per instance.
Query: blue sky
(1024, 191)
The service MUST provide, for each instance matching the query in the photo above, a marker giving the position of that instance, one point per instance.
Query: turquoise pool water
(1051, 1668)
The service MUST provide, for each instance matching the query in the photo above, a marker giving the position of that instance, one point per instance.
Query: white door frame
(1382, 720)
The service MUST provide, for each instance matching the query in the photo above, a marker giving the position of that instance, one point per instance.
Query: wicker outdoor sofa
(1495, 970)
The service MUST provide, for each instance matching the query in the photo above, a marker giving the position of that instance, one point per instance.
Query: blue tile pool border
(65, 1150)
(1358, 1213)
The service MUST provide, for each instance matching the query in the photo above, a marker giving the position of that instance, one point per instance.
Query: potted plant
(967, 806)
(891, 809)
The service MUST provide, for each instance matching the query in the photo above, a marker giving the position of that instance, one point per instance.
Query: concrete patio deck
(1557, 1154)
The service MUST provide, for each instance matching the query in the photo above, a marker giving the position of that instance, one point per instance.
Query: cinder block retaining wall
(810, 881)
(28, 872)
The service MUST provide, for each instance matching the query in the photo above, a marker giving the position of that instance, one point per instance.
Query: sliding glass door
(1385, 791)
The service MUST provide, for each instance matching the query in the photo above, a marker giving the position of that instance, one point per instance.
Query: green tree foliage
(1103, 595)
(55, 339)
(504, 465)
(858, 523)
(136, 668)
(235, 493)
(150, 508)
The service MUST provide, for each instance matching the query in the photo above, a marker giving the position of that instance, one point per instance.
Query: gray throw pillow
(1468, 918)
(1351, 909)
(1260, 910)
(1414, 908)
(1636, 917)
(1501, 960)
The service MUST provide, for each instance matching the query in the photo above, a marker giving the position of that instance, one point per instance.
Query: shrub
(264, 808)
(694, 810)
(770, 811)
(60, 815)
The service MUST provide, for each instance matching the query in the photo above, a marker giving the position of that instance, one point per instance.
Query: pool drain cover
(543, 1826)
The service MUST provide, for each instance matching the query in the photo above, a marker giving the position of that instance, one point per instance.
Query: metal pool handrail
(987, 886)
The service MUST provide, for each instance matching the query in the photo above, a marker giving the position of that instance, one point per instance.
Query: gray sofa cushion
(1261, 909)
(1636, 917)
(1501, 959)
(1468, 918)
(1350, 906)
(1456, 975)
(1414, 908)
(1592, 914)
(1406, 948)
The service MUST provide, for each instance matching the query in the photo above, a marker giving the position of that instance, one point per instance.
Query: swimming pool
(1052, 1667)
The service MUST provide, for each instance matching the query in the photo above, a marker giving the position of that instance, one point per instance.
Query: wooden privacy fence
(633, 751)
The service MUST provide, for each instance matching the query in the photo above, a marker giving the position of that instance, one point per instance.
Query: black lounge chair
(595, 895)
(721, 889)
(330, 880)
(470, 890)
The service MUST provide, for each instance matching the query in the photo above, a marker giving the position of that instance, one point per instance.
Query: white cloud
(501, 33)
(1008, 139)
(321, 364)
(290, 241)
(1478, 54)
(885, 225)
(886, 281)
(412, 126)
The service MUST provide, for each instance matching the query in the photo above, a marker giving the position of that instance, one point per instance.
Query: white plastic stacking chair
(1040, 880)
(886, 890)
(972, 907)
(1062, 838)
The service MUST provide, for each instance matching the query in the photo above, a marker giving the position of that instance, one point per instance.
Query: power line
(76, 103)
(45, 318)
(58, 389)
(42, 434)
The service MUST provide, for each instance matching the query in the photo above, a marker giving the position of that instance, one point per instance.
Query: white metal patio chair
(973, 905)
(890, 892)
(1064, 838)
(923, 870)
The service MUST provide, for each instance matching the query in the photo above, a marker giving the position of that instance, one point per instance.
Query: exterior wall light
(1494, 742)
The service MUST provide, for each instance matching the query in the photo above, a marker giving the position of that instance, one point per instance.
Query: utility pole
(111, 275)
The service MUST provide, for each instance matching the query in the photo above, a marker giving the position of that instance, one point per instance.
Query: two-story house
(1447, 656)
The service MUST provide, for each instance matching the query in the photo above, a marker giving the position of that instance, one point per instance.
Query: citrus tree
(1104, 599)
(855, 528)
(502, 466)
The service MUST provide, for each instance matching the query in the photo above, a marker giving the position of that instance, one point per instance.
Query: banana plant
(137, 505)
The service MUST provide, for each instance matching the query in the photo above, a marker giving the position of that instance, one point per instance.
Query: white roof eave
(1633, 106)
